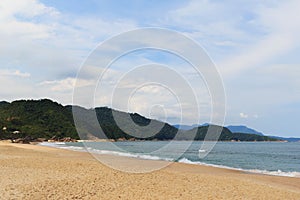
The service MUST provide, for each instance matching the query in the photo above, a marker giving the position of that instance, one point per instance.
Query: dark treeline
(48, 119)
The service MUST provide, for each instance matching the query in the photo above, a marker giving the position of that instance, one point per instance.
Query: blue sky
(255, 46)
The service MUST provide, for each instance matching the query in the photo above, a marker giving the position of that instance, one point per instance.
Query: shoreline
(59, 173)
(293, 174)
(41, 140)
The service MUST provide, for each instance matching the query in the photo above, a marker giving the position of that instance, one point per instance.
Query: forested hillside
(46, 119)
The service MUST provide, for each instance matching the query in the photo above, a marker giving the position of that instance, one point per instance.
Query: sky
(254, 45)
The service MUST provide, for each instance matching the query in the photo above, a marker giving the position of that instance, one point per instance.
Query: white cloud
(66, 84)
(243, 115)
(281, 26)
(17, 19)
(210, 22)
(17, 73)
(43, 39)
(24, 8)
(240, 36)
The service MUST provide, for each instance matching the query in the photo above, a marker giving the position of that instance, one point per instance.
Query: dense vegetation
(48, 119)
(37, 119)
(251, 137)
(224, 134)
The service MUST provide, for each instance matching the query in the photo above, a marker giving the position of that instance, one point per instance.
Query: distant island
(42, 120)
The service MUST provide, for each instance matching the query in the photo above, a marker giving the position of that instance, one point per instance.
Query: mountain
(36, 119)
(3, 103)
(189, 127)
(234, 129)
(47, 119)
(226, 134)
(243, 129)
(142, 128)
(185, 127)
(240, 129)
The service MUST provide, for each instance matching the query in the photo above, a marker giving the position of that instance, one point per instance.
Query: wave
(63, 145)
(276, 173)
(256, 171)
(131, 155)
(51, 144)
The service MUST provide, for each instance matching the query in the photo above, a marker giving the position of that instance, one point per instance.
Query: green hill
(47, 119)
(36, 119)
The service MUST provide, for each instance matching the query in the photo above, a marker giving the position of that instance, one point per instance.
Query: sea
(272, 158)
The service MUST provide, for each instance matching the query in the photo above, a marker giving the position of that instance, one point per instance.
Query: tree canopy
(47, 119)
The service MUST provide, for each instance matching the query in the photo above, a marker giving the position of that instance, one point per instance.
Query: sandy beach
(38, 172)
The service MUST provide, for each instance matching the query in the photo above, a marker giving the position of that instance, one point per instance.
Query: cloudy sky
(255, 47)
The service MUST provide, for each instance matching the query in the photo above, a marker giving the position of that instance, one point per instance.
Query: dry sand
(36, 172)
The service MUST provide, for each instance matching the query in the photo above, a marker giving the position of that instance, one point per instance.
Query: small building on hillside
(16, 132)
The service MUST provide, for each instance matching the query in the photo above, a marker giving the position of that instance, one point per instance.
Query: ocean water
(274, 158)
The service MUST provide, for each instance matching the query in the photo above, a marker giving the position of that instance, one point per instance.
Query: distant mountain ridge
(243, 129)
(46, 119)
(232, 128)
(185, 127)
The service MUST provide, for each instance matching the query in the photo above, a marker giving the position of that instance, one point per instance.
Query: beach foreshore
(39, 172)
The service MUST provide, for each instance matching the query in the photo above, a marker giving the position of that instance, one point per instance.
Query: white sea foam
(62, 145)
(187, 161)
(73, 148)
(52, 144)
(131, 155)
(257, 171)
(276, 173)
